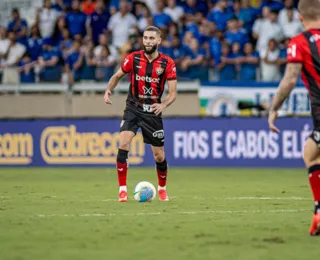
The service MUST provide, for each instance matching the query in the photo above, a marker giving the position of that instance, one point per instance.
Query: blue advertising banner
(191, 142)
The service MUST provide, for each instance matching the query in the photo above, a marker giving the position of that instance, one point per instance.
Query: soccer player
(149, 70)
(303, 56)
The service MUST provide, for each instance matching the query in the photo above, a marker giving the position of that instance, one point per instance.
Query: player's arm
(172, 93)
(126, 67)
(113, 82)
(287, 84)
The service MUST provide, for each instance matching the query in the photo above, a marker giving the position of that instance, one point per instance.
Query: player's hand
(273, 115)
(107, 97)
(157, 108)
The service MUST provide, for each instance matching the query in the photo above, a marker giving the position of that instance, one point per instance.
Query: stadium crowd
(74, 40)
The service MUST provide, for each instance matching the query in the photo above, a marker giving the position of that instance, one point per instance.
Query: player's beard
(150, 51)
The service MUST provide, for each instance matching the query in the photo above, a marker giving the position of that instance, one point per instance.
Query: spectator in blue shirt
(74, 63)
(194, 64)
(215, 46)
(282, 60)
(26, 69)
(98, 21)
(236, 55)
(235, 34)
(76, 21)
(220, 14)
(50, 69)
(178, 52)
(226, 65)
(65, 44)
(34, 46)
(191, 7)
(247, 15)
(165, 46)
(206, 30)
(89, 61)
(19, 26)
(249, 63)
(160, 19)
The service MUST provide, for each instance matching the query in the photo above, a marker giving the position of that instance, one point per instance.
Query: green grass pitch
(240, 214)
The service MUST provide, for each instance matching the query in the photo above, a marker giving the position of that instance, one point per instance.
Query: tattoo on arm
(286, 85)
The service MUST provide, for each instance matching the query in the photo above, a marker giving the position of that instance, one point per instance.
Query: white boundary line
(175, 213)
(176, 197)
(207, 198)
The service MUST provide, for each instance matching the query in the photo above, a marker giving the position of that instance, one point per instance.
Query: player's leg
(162, 171)
(128, 130)
(122, 163)
(153, 134)
(312, 162)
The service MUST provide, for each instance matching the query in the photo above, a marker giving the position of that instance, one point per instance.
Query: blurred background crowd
(72, 40)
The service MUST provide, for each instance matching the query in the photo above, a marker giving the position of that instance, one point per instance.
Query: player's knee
(124, 145)
(158, 156)
(310, 159)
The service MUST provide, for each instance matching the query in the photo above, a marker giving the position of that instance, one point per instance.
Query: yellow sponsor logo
(64, 145)
(16, 148)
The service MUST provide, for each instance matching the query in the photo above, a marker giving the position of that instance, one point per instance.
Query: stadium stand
(67, 41)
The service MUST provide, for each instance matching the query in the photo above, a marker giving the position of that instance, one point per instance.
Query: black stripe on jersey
(314, 51)
(314, 97)
(313, 87)
(148, 84)
(136, 65)
(164, 63)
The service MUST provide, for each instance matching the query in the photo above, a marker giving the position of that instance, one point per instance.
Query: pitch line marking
(175, 213)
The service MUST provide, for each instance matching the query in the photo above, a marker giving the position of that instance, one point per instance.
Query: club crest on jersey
(159, 70)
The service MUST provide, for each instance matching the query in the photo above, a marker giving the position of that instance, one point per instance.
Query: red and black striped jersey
(147, 79)
(305, 49)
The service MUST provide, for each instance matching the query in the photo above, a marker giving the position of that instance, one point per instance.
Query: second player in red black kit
(150, 70)
(304, 57)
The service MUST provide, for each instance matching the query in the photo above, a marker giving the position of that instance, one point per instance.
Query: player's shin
(122, 168)
(314, 179)
(162, 172)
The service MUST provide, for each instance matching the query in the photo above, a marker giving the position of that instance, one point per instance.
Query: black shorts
(315, 136)
(151, 126)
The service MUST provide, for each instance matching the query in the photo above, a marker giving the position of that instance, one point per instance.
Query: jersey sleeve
(295, 51)
(126, 65)
(171, 72)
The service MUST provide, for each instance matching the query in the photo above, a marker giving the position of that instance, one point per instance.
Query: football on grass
(144, 192)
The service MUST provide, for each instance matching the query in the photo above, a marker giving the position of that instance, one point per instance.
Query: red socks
(162, 171)
(122, 167)
(314, 179)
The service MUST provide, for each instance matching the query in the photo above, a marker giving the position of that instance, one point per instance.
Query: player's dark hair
(153, 29)
(309, 9)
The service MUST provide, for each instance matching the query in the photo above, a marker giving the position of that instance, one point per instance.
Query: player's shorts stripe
(313, 51)
(136, 65)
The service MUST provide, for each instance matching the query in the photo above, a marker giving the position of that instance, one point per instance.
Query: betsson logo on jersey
(147, 79)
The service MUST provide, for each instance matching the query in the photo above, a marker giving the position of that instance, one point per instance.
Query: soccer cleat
(315, 225)
(163, 196)
(123, 196)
